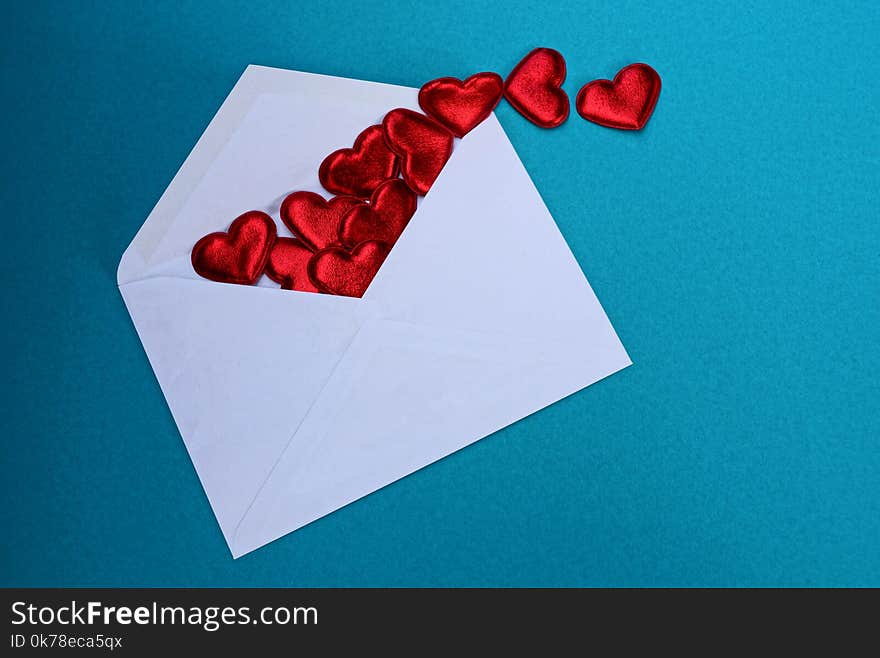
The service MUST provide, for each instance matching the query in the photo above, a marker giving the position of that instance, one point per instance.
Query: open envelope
(294, 404)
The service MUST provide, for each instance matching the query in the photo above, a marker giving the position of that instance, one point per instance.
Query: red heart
(422, 144)
(534, 88)
(626, 103)
(359, 170)
(390, 209)
(314, 220)
(339, 272)
(461, 106)
(287, 265)
(239, 255)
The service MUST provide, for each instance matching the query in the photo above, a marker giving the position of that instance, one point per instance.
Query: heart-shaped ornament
(389, 211)
(288, 265)
(339, 272)
(359, 170)
(313, 219)
(422, 144)
(238, 255)
(461, 105)
(534, 88)
(625, 103)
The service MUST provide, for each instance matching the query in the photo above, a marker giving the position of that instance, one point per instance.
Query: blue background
(733, 243)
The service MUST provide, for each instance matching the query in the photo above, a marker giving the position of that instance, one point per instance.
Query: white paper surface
(294, 404)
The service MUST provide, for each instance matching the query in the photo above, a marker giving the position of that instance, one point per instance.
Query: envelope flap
(402, 397)
(240, 367)
(267, 140)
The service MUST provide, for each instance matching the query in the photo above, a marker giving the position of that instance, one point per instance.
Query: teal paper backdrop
(733, 243)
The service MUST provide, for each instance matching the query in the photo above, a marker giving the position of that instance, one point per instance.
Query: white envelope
(295, 404)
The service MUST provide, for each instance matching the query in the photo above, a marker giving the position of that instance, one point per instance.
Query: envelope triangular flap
(268, 139)
(239, 367)
(402, 397)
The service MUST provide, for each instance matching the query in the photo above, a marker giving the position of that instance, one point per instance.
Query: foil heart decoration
(534, 88)
(389, 211)
(339, 272)
(625, 103)
(238, 255)
(288, 265)
(422, 144)
(461, 105)
(315, 220)
(359, 170)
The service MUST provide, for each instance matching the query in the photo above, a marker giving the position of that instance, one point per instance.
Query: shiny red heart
(315, 220)
(288, 265)
(389, 211)
(626, 103)
(359, 170)
(239, 255)
(422, 144)
(339, 272)
(534, 88)
(461, 106)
